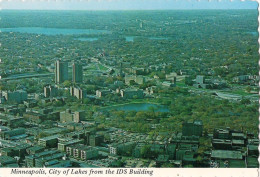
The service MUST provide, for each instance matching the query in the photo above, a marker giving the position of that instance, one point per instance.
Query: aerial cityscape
(134, 89)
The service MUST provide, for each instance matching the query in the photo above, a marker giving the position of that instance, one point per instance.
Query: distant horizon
(118, 9)
(129, 5)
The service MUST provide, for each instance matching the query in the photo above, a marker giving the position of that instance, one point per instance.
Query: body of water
(139, 107)
(158, 38)
(86, 39)
(53, 31)
(253, 33)
(131, 38)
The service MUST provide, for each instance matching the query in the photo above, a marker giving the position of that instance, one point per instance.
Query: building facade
(50, 91)
(192, 128)
(61, 71)
(77, 73)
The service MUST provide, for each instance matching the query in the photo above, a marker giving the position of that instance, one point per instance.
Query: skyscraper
(77, 72)
(61, 71)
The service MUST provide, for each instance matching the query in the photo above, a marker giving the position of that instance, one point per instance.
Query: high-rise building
(61, 71)
(50, 91)
(77, 72)
(16, 96)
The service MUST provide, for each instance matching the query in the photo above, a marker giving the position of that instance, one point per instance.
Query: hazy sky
(126, 4)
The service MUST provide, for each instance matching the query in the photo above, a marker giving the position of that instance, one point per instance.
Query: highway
(26, 76)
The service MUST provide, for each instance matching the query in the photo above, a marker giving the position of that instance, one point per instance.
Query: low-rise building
(49, 141)
(78, 92)
(40, 162)
(96, 140)
(34, 150)
(200, 82)
(64, 143)
(221, 134)
(132, 93)
(6, 161)
(192, 128)
(121, 148)
(137, 79)
(7, 135)
(169, 84)
(102, 93)
(83, 152)
(30, 160)
(69, 116)
(19, 151)
(226, 154)
(172, 76)
(222, 144)
(16, 96)
(34, 117)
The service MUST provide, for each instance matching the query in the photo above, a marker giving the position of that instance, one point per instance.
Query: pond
(254, 33)
(54, 31)
(86, 39)
(139, 107)
(129, 38)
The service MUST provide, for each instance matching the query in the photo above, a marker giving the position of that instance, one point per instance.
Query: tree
(245, 101)
(146, 151)
(67, 83)
(132, 82)
(248, 89)
(188, 80)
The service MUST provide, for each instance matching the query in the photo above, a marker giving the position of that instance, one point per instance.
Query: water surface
(86, 39)
(54, 31)
(139, 107)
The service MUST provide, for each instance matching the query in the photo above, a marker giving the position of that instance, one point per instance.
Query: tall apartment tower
(77, 73)
(61, 71)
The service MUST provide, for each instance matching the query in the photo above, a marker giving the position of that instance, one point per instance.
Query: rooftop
(49, 137)
(223, 154)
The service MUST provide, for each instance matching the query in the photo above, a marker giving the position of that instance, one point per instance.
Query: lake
(54, 31)
(139, 107)
(86, 39)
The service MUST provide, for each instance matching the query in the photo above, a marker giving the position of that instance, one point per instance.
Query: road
(27, 76)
